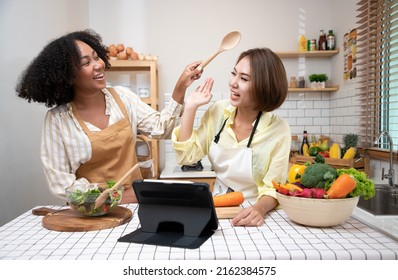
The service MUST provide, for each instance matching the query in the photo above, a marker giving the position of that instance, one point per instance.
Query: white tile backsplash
(320, 113)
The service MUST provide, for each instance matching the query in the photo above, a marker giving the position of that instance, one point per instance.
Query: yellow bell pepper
(295, 173)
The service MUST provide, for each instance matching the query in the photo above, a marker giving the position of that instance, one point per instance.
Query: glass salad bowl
(81, 197)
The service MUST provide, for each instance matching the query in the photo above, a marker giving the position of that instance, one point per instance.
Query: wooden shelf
(139, 64)
(310, 54)
(151, 67)
(307, 54)
(334, 88)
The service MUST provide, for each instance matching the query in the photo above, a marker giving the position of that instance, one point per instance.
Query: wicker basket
(361, 164)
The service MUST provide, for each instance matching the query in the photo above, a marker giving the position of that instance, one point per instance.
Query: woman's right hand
(200, 96)
(189, 75)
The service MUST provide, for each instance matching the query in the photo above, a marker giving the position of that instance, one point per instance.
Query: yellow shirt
(270, 144)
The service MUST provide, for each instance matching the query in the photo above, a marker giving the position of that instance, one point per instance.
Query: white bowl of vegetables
(323, 196)
(81, 197)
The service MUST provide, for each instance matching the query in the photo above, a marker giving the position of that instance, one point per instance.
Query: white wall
(25, 27)
(179, 32)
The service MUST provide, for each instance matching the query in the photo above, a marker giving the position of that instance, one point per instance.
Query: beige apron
(233, 167)
(113, 150)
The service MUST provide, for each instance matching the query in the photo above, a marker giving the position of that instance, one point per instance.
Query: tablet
(173, 213)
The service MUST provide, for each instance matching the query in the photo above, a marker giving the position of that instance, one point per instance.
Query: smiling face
(90, 76)
(240, 85)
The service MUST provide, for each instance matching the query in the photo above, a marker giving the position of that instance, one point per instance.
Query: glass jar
(301, 83)
(295, 144)
(293, 82)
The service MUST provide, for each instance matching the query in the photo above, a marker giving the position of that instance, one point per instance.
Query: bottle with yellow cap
(302, 45)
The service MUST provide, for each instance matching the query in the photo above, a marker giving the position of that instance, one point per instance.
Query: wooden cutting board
(227, 212)
(72, 221)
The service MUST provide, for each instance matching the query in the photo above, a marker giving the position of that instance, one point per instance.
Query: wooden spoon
(228, 42)
(104, 195)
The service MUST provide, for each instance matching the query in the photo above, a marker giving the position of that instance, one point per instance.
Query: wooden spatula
(104, 195)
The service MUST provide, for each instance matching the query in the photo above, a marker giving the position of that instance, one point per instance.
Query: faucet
(391, 174)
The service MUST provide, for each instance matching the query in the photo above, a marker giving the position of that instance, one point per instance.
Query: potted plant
(318, 80)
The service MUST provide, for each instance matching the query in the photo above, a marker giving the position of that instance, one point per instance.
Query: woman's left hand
(201, 96)
(250, 216)
(254, 215)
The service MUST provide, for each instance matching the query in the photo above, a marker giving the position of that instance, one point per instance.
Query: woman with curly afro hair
(90, 131)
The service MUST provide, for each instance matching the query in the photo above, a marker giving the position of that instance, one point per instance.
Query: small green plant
(318, 78)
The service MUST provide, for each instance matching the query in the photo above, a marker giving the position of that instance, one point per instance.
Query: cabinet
(150, 68)
(310, 54)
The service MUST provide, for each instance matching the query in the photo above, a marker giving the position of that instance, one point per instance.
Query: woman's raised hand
(201, 96)
(191, 73)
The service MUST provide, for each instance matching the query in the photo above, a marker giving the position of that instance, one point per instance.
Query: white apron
(233, 167)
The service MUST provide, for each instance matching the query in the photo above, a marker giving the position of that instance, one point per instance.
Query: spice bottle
(312, 45)
(322, 41)
(301, 83)
(295, 144)
(331, 41)
(293, 82)
(305, 142)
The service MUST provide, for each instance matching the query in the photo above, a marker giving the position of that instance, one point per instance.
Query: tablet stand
(173, 214)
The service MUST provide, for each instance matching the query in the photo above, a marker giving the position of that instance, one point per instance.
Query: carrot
(228, 199)
(342, 186)
(276, 185)
(288, 186)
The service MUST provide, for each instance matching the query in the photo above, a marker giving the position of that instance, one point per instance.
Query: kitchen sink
(384, 202)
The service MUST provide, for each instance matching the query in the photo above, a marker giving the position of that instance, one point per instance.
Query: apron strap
(217, 137)
(118, 101)
(80, 120)
(254, 129)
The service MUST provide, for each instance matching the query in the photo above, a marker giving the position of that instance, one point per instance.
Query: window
(378, 70)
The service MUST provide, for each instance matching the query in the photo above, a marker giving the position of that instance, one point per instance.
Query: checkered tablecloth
(24, 238)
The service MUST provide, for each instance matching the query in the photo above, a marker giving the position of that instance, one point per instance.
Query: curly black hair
(49, 77)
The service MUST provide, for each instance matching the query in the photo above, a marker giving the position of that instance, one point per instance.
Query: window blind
(377, 71)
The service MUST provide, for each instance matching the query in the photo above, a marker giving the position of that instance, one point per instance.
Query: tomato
(325, 154)
(105, 208)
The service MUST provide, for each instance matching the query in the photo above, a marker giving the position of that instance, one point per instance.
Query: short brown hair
(269, 82)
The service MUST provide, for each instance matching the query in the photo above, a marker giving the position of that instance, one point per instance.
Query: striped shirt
(65, 146)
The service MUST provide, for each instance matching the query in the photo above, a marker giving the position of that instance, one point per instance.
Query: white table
(24, 238)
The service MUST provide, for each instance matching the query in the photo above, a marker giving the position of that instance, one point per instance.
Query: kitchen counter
(174, 171)
(387, 224)
(24, 238)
